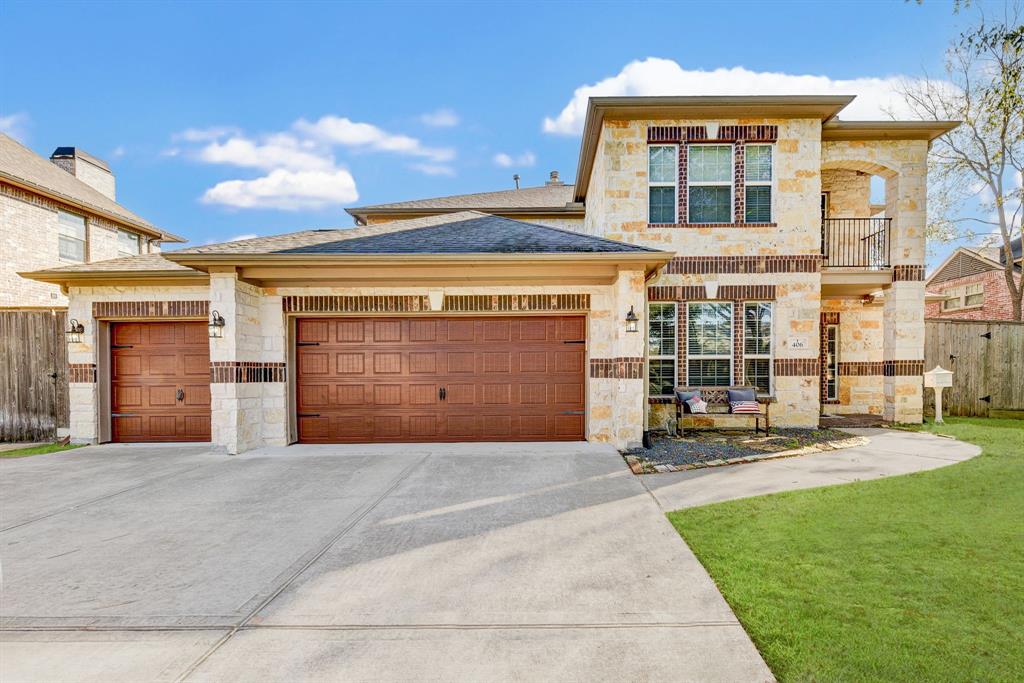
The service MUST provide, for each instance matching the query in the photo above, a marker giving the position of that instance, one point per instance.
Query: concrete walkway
(889, 452)
(433, 562)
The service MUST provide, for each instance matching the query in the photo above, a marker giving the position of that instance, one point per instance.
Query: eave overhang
(885, 130)
(823, 108)
(118, 277)
(149, 231)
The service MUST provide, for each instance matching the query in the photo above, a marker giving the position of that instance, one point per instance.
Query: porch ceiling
(854, 281)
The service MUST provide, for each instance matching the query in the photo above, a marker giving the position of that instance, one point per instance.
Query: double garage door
(513, 378)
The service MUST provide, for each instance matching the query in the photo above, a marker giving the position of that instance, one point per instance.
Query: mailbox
(938, 377)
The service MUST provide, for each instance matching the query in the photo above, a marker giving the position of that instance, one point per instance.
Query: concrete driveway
(429, 562)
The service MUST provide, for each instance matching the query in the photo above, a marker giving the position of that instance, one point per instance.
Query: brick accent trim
(908, 274)
(867, 368)
(725, 293)
(758, 133)
(683, 200)
(738, 370)
(245, 372)
(697, 265)
(661, 135)
(151, 309)
(733, 133)
(83, 373)
(739, 194)
(902, 368)
(415, 303)
(796, 367)
(622, 367)
(654, 226)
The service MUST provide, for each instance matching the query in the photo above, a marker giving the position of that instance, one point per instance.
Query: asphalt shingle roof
(19, 163)
(543, 197)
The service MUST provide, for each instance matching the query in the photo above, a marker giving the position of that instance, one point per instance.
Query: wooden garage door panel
(382, 379)
(160, 381)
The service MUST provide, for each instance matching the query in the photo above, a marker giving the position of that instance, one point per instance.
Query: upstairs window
(661, 349)
(757, 169)
(974, 295)
(709, 344)
(128, 243)
(71, 236)
(662, 177)
(709, 183)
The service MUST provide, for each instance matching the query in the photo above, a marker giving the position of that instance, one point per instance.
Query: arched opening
(858, 205)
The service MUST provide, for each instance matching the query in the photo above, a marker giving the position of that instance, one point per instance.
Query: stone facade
(29, 241)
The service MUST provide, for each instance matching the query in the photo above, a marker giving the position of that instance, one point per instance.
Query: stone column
(82, 363)
(629, 396)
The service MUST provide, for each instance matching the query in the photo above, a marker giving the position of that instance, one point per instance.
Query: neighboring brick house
(60, 212)
(973, 282)
(714, 241)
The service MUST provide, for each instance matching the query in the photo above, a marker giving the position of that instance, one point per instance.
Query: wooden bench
(718, 407)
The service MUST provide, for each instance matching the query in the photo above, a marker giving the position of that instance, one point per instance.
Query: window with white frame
(709, 181)
(71, 236)
(952, 303)
(709, 344)
(974, 294)
(757, 345)
(661, 348)
(757, 170)
(128, 243)
(662, 179)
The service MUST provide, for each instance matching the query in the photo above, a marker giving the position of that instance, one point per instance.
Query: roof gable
(962, 263)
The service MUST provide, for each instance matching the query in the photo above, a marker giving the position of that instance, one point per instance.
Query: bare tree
(984, 157)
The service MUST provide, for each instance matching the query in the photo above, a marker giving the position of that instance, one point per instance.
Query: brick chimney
(87, 168)
(554, 179)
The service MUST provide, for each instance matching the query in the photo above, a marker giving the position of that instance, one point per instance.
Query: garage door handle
(307, 343)
(180, 395)
(309, 414)
(572, 412)
(121, 346)
(122, 415)
(574, 341)
(442, 393)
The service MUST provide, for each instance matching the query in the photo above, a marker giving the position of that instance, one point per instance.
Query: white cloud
(655, 76)
(206, 134)
(433, 169)
(286, 189)
(246, 236)
(508, 161)
(441, 118)
(118, 152)
(339, 130)
(15, 125)
(280, 150)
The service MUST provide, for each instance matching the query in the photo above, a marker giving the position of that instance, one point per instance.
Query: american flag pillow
(744, 407)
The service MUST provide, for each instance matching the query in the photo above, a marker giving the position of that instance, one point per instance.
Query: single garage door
(160, 381)
(513, 378)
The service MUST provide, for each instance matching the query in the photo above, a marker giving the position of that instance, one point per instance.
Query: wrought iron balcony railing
(856, 242)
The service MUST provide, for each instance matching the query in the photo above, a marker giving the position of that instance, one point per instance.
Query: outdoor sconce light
(631, 320)
(216, 325)
(75, 331)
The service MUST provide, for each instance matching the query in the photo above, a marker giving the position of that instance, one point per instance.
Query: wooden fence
(987, 360)
(33, 375)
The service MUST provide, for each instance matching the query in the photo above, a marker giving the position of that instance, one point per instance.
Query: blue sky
(227, 119)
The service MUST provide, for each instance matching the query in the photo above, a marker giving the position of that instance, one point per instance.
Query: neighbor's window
(661, 349)
(71, 236)
(128, 243)
(709, 344)
(954, 301)
(662, 177)
(757, 345)
(709, 182)
(758, 181)
(974, 295)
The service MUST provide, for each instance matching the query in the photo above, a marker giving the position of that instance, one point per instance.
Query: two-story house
(707, 241)
(972, 282)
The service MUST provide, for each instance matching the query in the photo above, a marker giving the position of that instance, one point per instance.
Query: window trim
(770, 183)
(661, 183)
(84, 239)
(770, 356)
(690, 183)
(702, 356)
(674, 357)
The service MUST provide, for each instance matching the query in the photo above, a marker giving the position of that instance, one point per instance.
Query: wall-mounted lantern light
(216, 325)
(75, 331)
(631, 320)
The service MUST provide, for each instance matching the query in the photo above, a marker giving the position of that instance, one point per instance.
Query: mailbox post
(938, 378)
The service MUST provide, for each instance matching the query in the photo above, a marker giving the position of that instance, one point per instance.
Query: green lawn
(912, 578)
(39, 450)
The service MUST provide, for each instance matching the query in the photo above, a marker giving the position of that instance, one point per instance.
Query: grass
(39, 450)
(918, 577)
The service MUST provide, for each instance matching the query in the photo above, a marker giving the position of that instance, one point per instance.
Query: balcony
(855, 255)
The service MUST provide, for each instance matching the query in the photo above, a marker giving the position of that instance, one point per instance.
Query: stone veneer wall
(29, 241)
(617, 209)
(860, 356)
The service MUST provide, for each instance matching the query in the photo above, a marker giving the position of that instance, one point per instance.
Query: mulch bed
(712, 448)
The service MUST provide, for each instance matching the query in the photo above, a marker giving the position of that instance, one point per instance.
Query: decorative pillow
(742, 395)
(697, 405)
(684, 396)
(744, 407)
